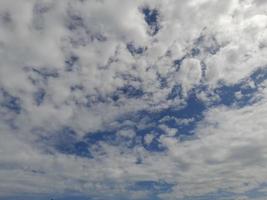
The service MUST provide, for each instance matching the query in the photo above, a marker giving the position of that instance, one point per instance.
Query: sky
(133, 100)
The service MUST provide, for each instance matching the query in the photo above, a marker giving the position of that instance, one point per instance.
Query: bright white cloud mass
(133, 99)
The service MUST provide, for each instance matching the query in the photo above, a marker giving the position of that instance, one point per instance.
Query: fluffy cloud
(137, 99)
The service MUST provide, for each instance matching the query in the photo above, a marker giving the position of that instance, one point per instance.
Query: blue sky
(133, 100)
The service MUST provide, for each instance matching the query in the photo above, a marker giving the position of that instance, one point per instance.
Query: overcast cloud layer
(125, 99)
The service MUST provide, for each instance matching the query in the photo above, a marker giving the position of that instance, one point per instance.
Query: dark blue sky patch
(92, 144)
(193, 108)
(10, 102)
(258, 192)
(39, 96)
(211, 196)
(151, 17)
(195, 51)
(134, 50)
(131, 92)
(155, 187)
(228, 93)
(93, 138)
(259, 75)
(178, 62)
(64, 141)
(67, 142)
(155, 145)
(71, 63)
(228, 96)
(176, 92)
(163, 81)
(115, 96)
(81, 148)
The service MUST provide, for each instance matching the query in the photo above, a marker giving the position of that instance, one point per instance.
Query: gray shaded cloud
(86, 65)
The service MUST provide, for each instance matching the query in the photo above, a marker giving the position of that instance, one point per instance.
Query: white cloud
(190, 74)
(76, 52)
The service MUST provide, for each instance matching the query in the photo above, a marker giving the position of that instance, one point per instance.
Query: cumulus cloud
(132, 99)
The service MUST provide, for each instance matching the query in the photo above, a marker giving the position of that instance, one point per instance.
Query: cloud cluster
(132, 99)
